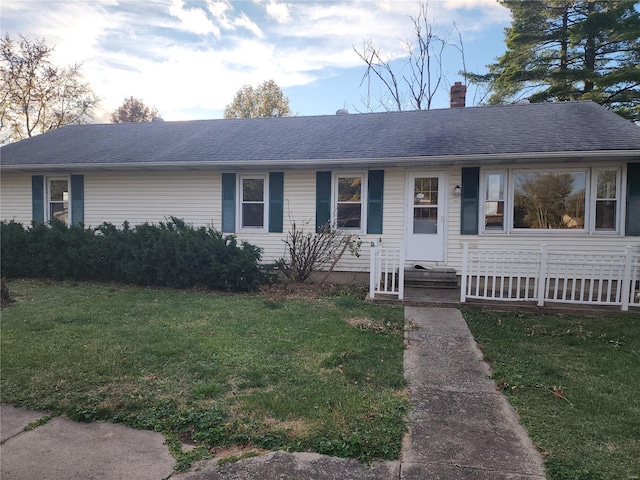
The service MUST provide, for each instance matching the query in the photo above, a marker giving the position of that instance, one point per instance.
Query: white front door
(425, 217)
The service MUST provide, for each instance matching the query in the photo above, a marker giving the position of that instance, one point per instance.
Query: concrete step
(431, 277)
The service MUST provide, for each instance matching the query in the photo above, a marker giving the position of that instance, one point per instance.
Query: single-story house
(563, 174)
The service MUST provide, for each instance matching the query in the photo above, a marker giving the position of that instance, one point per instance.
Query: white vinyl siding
(153, 197)
(299, 206)
(196, 197)
(15, 197)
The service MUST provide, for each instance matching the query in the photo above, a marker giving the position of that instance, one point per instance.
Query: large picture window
(543, 200)
(580, 200)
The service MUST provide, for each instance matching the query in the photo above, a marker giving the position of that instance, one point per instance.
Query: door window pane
(425, 191)
(425, 220)
(549, 200)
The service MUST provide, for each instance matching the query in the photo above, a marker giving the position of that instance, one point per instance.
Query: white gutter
(318, 164)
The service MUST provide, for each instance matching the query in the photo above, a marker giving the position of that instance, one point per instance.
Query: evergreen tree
(570, 50)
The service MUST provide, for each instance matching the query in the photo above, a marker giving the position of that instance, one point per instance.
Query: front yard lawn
(214, 369)
(575, 381)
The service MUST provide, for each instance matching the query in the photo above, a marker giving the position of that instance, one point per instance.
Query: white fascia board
(315, 164)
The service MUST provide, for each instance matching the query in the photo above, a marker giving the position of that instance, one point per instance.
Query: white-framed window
(494, 192)
(349, 201)
(57, 199)
(551, 200)
(607, 195)
(253, 204)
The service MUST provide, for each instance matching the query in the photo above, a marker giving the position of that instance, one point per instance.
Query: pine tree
(570, 50)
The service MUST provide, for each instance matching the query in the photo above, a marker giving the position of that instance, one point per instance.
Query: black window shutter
(228, 202)
(323, 199)
(633, 200)
(276, 201)
(77, 199)
(470, 201)
(37, 198)
(374, 199)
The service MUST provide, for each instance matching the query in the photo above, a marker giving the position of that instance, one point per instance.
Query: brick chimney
(458, 95)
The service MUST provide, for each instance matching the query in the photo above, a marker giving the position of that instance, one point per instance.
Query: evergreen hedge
(171, 254)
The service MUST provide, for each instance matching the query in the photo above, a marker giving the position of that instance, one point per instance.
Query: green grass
(210, 368)
(575, 381)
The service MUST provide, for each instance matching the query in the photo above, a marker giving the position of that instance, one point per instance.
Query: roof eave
(477, 159)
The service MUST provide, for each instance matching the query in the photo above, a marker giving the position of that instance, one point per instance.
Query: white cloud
(220, 10)
(279, 11)
(244, 21)
(139, 48)
(193, 20)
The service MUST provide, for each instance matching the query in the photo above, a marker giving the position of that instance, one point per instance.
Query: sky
(188, 58)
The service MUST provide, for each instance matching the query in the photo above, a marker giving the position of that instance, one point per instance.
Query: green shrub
(171, 254)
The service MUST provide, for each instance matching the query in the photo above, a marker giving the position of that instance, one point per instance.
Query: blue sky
(188, 58)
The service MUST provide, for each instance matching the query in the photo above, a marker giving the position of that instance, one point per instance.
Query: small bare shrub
(308, 250)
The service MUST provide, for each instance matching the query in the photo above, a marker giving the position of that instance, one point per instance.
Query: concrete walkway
(460, 428)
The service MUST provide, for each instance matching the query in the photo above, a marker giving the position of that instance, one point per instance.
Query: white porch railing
(551, 276)
(386, 273)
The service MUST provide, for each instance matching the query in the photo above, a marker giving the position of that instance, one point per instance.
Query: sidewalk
(460, 428)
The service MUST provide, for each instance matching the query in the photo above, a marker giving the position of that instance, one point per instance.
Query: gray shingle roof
(500, 130)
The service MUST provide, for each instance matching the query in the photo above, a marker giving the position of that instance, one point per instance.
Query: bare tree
(416, 88)
(35, 95)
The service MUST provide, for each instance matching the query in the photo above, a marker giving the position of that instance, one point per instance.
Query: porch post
(463, 277)
(541, 281)
(372, 272)
(626, 290)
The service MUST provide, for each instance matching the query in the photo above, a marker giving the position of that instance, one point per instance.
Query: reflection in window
(606, 199)
(549, 200)
(349, 202)
(59, 200)
(252, 202)
(494, 201)
(425, 201)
